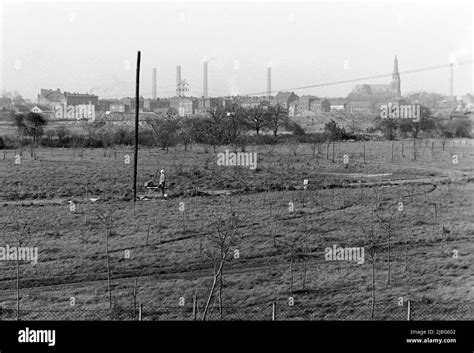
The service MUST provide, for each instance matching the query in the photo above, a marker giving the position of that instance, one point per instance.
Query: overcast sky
(91, 47)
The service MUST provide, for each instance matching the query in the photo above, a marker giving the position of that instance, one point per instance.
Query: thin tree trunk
(333, 146)
(389, 237)
(406, 251)
(373, 287)
(220, 295)
(414, 148)
(364, 152)
(304, 272)
(291, 273)
(17, 288)
(216, 275)
(108, 268)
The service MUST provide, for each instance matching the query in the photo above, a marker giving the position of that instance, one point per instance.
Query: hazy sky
(91, 47)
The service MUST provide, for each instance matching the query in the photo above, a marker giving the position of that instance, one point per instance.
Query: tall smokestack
(204, 83)
(451, 82)
(178, 81)
(153, 84)
(269, 82)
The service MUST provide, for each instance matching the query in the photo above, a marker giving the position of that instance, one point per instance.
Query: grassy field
(281, 252)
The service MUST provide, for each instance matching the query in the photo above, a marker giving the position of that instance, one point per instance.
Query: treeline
(428, 126)
(235, 126)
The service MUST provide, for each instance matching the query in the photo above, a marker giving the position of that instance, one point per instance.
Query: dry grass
(72, 244)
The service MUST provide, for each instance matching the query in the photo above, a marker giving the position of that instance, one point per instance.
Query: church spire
(396, 78)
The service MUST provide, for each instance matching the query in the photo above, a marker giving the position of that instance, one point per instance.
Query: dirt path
(453, 177)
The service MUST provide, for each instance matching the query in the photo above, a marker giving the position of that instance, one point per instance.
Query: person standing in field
(162, 183)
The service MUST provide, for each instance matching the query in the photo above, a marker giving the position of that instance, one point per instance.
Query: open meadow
(409, 208)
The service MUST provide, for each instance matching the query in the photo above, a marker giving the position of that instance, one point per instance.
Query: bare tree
(107, 219)
(185, 127)
(236, 125)
(387, 224)
(213, 130)
(255, 118)
(295, 248)
(275, 118)
(304, 253)
(19, 229)
(370, 238)
(134, 297)
(30, 124)
(221, 241)
(166, 131)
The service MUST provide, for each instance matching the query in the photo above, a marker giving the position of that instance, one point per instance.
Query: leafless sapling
(19, 228)
(371, 241)
(106, 217)
(387, 224)
(220, 243)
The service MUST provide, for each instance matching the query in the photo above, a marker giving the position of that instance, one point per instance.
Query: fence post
(333, 147)
(140, 311)
(364, 152)
(194, 307)
(409, 311)
(273, 311)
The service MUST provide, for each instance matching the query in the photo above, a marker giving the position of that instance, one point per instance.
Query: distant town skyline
(91, 47)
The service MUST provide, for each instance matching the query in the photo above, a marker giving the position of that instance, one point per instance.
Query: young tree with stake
(221, 241)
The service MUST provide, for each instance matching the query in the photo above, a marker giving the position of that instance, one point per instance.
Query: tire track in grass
(200, 272)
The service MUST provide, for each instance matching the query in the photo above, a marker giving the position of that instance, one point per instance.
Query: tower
(204, 84)
(179, 84)
(269, 82)
(396, 79)
(153, 84)
(451, 82)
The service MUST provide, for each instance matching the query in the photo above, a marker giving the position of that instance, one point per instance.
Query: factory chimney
(178, 81)
(153, 84)
(451, 82)
(269, 82)
(204, 84)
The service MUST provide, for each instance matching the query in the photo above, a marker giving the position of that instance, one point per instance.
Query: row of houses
(51, 98)
(305, 105)
(310, 105)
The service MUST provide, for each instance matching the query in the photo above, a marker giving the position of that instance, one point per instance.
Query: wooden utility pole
(135, 159)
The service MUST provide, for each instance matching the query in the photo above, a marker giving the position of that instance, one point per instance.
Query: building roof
(284, 95)
(42, 107)
(309, 97)
(336, 101)
(181, 99)
(69, 94)
(467, 98)
(108, 100)
(52, 95)
(363, 104)
(5, 101)
(381, 85)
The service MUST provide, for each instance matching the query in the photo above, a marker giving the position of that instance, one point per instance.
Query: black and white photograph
(236, 161)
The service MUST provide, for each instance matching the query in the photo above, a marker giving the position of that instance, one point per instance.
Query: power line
(430, 68)
(325, 84)
(362, 78)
